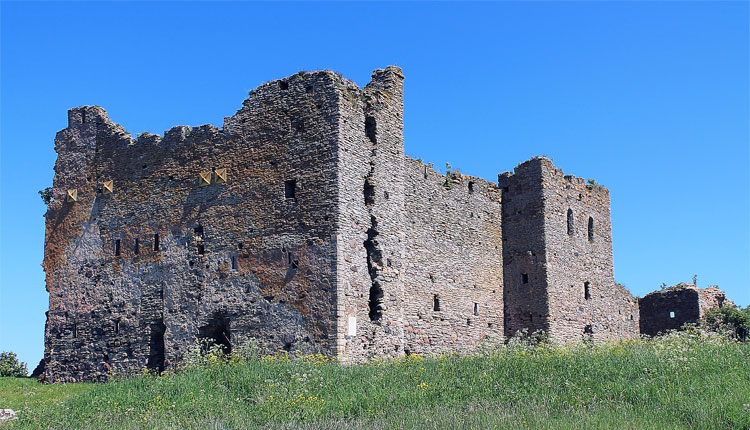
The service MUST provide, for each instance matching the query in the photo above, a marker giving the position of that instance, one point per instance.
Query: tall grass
(682, 380)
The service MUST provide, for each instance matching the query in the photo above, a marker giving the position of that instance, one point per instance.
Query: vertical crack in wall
(374, 253)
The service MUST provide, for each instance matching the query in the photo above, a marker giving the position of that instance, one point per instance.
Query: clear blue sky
(650, 99)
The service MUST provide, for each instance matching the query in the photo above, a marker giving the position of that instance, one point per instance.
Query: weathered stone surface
(301, 223)
(7, 415)
(671, 308)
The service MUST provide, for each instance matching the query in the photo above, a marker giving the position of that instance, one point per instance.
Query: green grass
(675, 382)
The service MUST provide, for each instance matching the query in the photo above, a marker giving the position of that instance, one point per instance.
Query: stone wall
(559, 274)
(525, 299)
(252, 254)
(453, 272)
(302, 224)
(371, 218)
(671, 308)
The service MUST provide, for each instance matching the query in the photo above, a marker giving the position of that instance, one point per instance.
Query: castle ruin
(301, 223)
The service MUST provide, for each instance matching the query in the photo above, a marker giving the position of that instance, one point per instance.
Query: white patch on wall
(352, 326)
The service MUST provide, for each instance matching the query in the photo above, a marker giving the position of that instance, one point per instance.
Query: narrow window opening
(290, 189)
(234, 262)
(631, 317)
(75, 330)
(218, 332)
(591, 229)
(201, 249)
(198, 230)
(161, 293)
(476, 309)
(471, 187)
(588, 329)
(156, 242)
(83, 116)
(671, 314)
(370, 129)
(283, 85)
(570, 222)
(435, 303)
(117, 327)
(587, 290)
(156, 347)
(524, 278)
(117, 247)
(135, 247)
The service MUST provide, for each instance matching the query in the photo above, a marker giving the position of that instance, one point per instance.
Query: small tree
(10, 366)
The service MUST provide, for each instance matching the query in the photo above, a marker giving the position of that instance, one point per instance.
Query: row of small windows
(436, 305)
(571, 226)
(136, 245)
(215, 176)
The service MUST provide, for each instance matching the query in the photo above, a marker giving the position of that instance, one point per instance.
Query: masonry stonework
(671, 308)
(302, 224)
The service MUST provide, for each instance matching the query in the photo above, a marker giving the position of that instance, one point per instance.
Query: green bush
(10, 366)
(732, 319)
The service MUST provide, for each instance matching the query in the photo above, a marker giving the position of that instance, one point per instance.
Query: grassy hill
(685, 380)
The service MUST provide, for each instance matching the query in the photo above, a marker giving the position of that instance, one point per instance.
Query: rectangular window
(524, 278)
(290, 189)
(135, 247)
(587, 290)
(671, 315)
(435, 303)
(476, 309)
(201, 249)
(117, 247)
(156, 242)
(234, 262)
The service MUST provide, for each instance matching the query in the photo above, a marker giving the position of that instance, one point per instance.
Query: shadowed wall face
(168, 235)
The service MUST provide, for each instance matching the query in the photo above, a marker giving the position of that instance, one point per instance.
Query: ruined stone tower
(302, 224)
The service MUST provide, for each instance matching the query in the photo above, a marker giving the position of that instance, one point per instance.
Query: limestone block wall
(453, 270)
(135, 275)
(371, 218)
(583, 299)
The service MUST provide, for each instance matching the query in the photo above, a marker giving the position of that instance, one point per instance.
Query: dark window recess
(290, 189)
(471, 187)
(156, 241)
(75, 331)
(201, 249)
(435, 302)
(588, 329)
(283, 85)
(161, 293)
(198, 230)
(591, 229)
(524, 278)
(476, 309)
(135, 247)
(117, 327)
(217, 332)
(117, 247)
(587, 290)
(571, 226)
(234, 262)
(370, 129)
(156, 346)
(631, 317)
